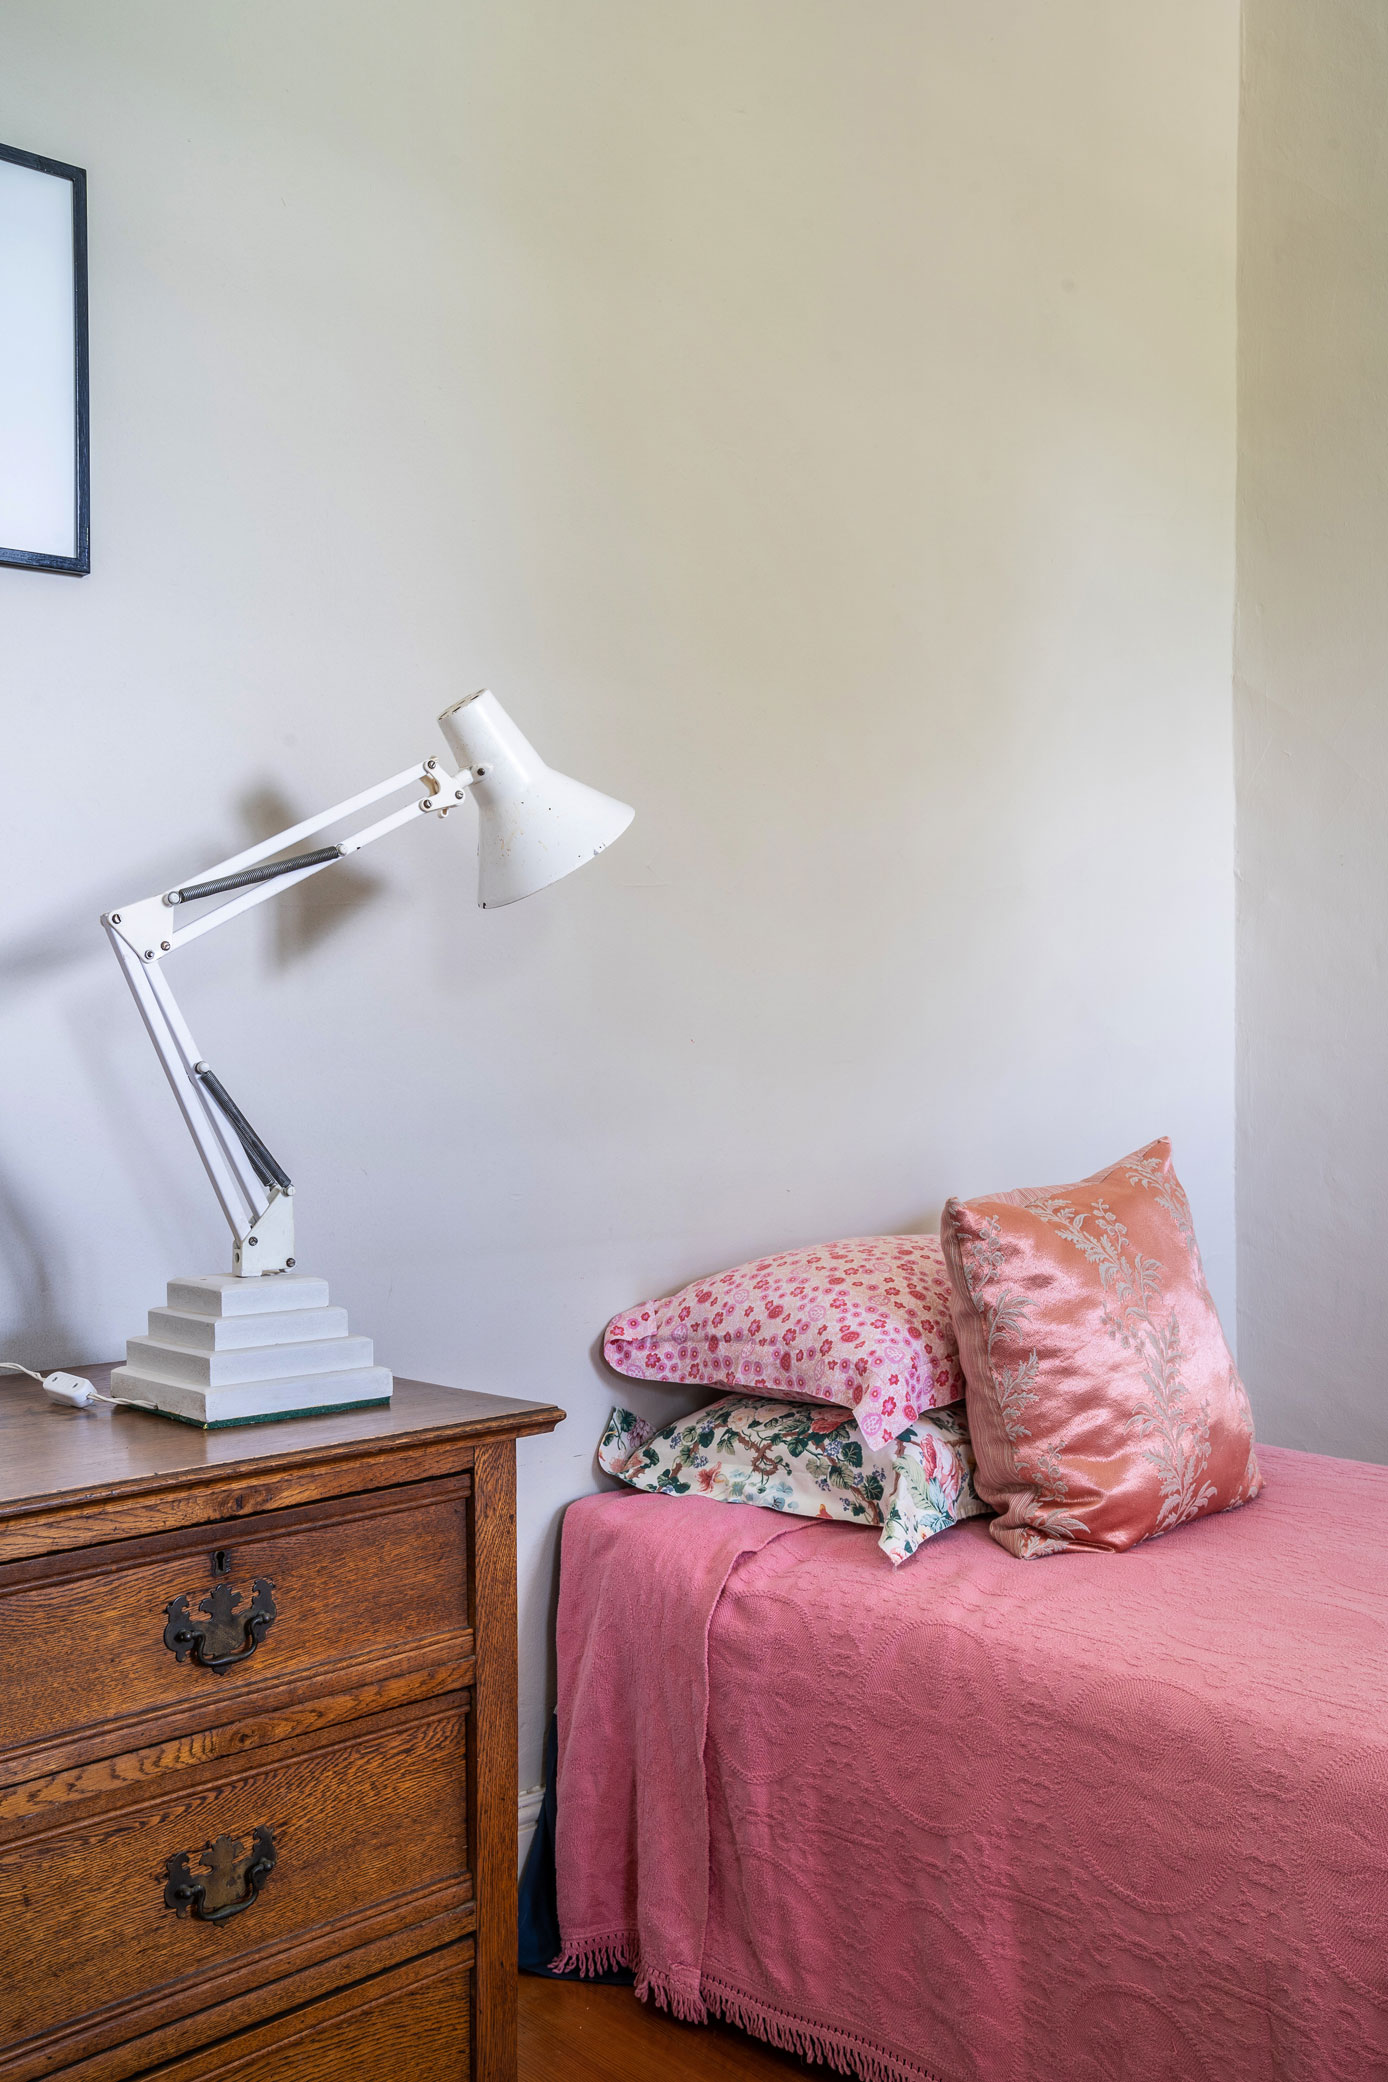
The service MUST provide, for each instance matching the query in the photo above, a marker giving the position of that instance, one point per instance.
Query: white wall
(817, 423)
(1312, 676)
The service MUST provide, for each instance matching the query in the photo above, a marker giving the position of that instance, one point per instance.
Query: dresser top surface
(48, 1450)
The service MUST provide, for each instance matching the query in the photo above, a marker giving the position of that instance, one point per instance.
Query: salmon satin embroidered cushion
(1103, 1403)
(864, 1323)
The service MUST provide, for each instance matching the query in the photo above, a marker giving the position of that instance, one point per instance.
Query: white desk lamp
(262, 1342)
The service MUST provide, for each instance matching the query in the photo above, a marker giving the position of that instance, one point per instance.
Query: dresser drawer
(411, 2025)
(198, 1624)
(169, 1906)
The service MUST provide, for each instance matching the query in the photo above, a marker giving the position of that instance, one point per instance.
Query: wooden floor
(574, 2031)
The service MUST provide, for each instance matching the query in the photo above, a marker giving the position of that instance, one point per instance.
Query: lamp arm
(252, 1188)
(258, 1210)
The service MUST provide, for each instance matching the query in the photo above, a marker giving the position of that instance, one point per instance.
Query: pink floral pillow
(864, 1324)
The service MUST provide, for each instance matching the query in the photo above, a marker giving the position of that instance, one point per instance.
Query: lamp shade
(534, 825)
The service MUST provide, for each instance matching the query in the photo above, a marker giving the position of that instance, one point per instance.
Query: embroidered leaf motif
(1015, 1387)
(1151, 1174)
(1177, 1434)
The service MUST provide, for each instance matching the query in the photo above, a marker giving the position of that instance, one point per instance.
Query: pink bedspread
(1098, 1818)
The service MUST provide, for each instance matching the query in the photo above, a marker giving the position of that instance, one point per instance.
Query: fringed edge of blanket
(598, 1955)
(681, 1997)
(841, 2051)
(677, 1992)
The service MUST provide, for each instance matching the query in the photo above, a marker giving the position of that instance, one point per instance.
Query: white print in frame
(44, 489)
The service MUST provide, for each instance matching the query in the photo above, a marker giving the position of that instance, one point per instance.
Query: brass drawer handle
(226, 1636)
(234, 1877)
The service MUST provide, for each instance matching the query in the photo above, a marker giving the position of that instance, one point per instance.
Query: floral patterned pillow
(808, 1460)
(864, 1323)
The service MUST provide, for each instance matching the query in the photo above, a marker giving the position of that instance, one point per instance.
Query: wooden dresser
(258, 1742)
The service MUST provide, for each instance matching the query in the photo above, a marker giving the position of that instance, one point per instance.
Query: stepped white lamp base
(248, 1351)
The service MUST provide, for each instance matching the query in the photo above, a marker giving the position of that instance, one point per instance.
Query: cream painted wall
(1312, 677)
(817, 423)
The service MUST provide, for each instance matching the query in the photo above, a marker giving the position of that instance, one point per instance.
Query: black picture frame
(38, 560)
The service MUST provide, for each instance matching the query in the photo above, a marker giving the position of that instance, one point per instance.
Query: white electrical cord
(71, 1388)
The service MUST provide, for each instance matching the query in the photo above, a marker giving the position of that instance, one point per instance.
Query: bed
(1093, 1818)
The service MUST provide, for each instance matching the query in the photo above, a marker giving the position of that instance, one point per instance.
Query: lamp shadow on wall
(302, 917)
(311, 910)
(31, 1271)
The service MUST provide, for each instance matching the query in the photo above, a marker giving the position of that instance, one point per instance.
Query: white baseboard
(528, 1815)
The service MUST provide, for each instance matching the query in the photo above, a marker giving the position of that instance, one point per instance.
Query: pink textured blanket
(639, 1581)
(1098, 1818)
